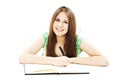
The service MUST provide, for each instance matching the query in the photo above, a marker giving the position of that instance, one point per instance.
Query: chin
(59, 34)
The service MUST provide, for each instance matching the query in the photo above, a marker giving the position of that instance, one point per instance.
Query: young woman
(61, 45)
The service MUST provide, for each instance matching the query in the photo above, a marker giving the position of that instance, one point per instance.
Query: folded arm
(95, 58)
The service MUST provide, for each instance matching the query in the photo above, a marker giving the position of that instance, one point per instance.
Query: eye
(57, 19)
(66, 22)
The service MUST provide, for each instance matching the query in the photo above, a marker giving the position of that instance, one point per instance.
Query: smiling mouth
(59, 30)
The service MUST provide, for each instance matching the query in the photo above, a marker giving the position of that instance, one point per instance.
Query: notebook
(38, 69)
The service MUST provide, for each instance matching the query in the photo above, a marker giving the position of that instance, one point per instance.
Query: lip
(59, 30)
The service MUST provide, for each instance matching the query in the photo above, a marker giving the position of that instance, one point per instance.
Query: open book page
(37, 68)
(72, 68)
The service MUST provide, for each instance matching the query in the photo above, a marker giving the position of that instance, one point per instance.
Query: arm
(29, 56)
(95, 58)
(33, 59)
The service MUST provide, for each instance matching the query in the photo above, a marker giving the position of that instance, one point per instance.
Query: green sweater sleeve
(45, 37)
(78, 43)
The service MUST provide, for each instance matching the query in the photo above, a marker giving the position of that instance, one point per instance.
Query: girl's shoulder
(45, 36)
(78, 43)
(78, 39)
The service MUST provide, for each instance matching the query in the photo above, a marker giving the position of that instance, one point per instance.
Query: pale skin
(60, 27)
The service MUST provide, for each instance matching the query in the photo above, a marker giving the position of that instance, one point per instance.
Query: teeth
(60, 30)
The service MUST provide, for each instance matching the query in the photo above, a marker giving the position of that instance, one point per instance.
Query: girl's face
(60, 25)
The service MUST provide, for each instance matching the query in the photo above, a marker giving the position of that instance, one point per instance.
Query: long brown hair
(70, 37)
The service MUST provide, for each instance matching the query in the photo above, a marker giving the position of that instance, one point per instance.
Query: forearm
(94, 61)
(34, 59)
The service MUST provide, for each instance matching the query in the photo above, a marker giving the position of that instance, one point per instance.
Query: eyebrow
(63, 20)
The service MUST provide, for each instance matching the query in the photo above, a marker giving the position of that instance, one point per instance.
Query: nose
(60, 24)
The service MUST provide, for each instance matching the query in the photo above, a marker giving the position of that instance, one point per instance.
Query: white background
(22, 21)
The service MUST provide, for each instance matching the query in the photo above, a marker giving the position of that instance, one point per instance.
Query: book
(38, 69)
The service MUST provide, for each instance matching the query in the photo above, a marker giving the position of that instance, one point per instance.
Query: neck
(60, 39)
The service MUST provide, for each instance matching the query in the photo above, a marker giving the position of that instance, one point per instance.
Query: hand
(62, 61)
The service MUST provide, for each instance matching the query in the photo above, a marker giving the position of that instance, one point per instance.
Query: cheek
(66, 27)
(54, 25)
